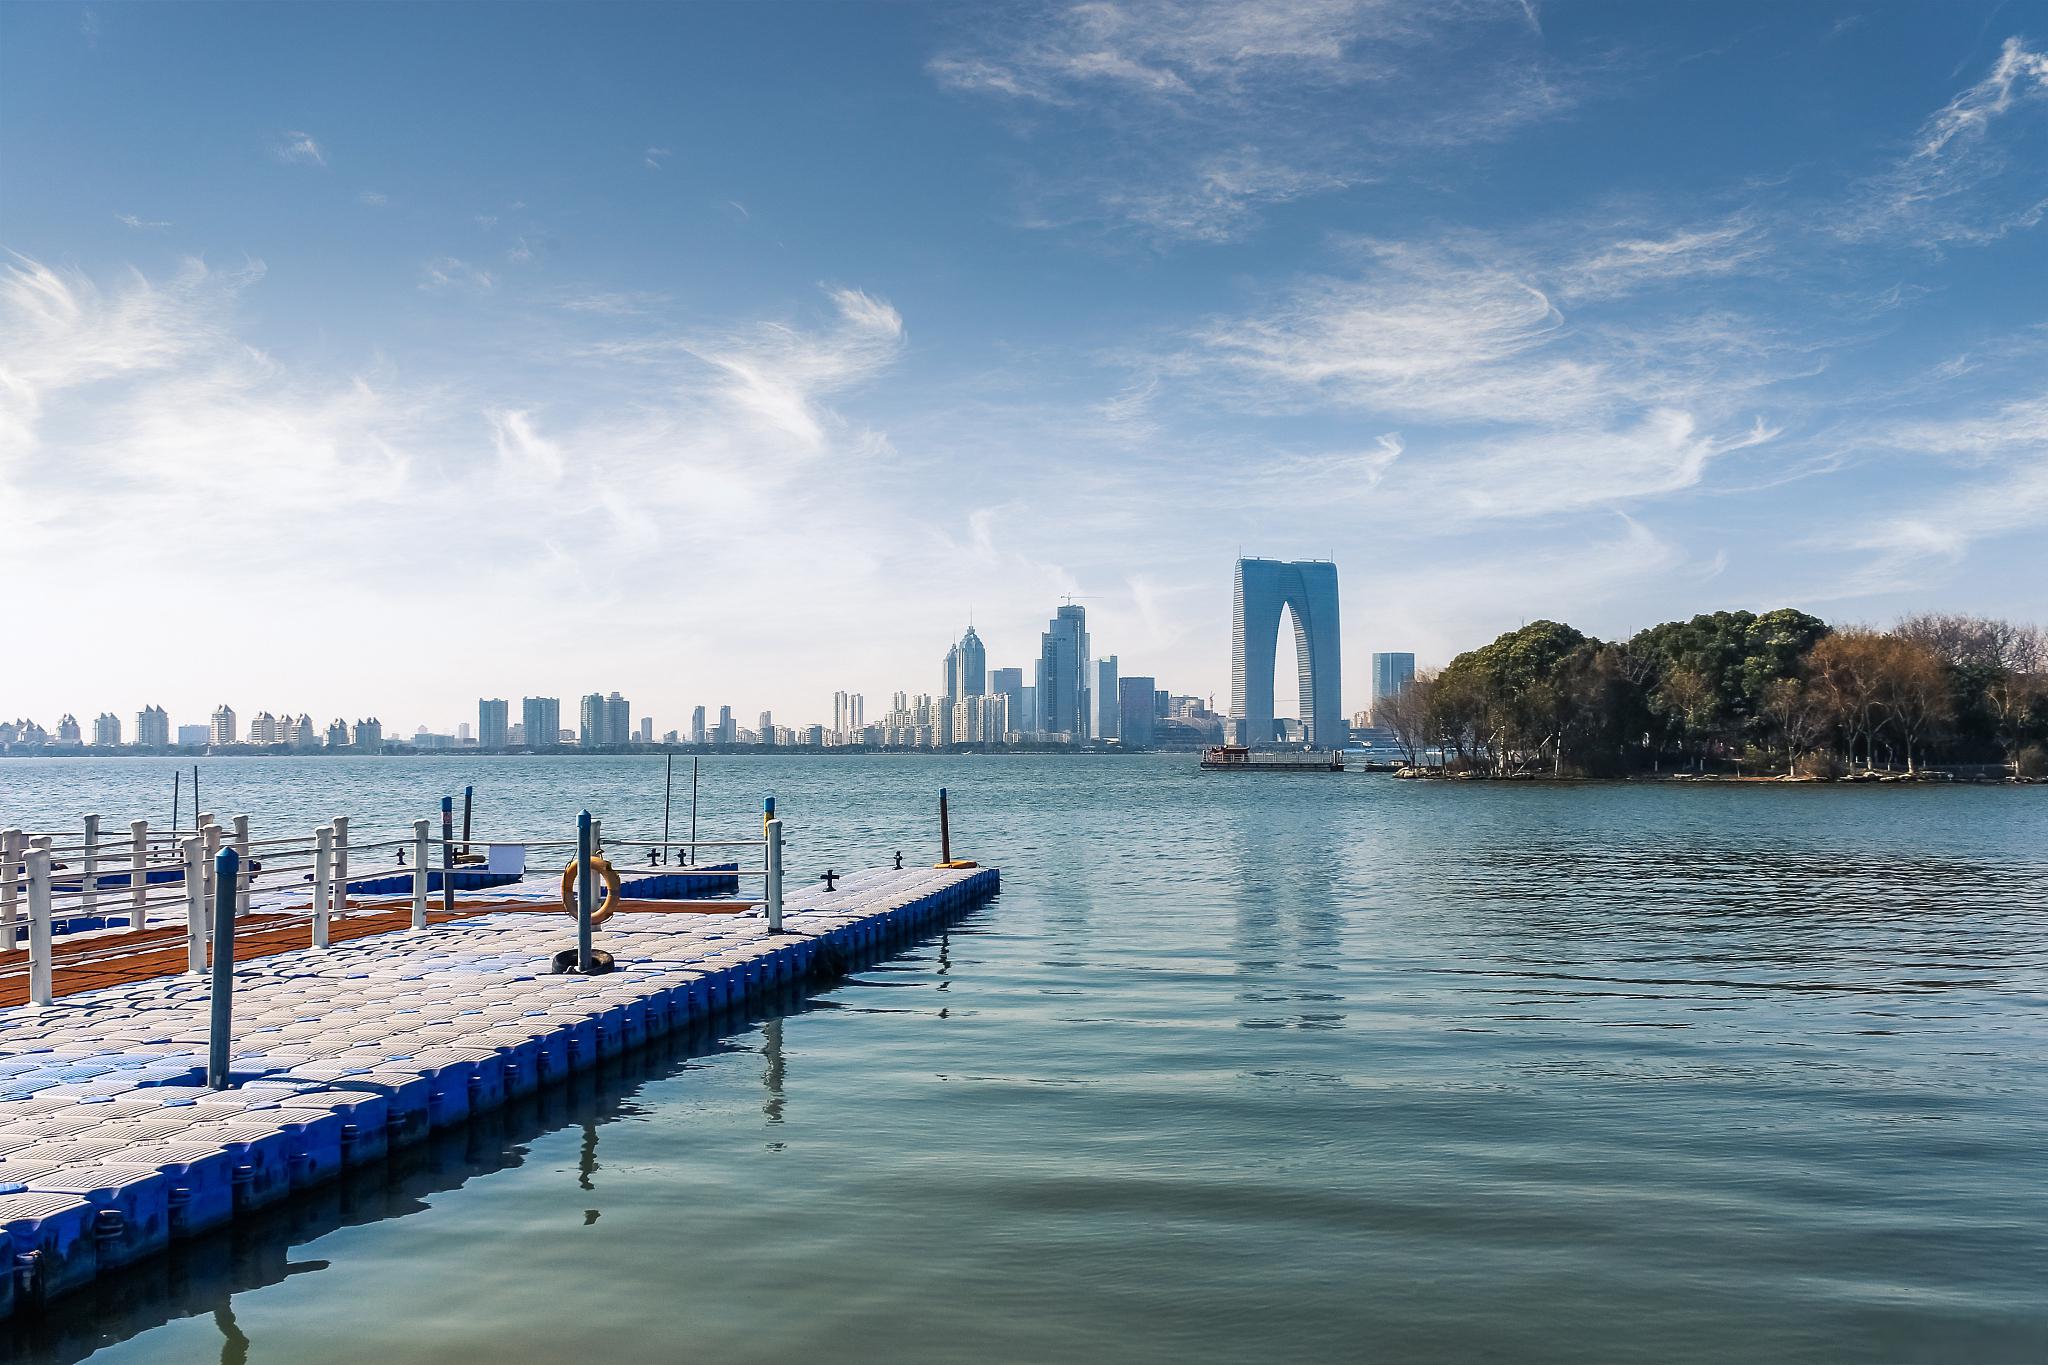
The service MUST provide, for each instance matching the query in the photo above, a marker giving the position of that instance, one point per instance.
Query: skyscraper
(222, 729)
(766, 729)
(1062, 682)
(493, 722)
(152, 727)
(543, 719)
(106, 731)
(1108, 701)
(1391, 674)
(970, 667)
(1137, 703)
(949, 682)
(1009, 682)
(697, 735)
(728, 728)
(590, 720)
(1308, 590)
(618, 721)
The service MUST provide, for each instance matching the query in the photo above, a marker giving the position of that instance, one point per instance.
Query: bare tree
(1914, 685)
(1406, 715)
(1848, 670)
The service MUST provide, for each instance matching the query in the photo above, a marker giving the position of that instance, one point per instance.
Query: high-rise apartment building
(493, 723)
(1391, 674)
(152, 727)
(301, 733)
(1009, 684)
(543, 719)
(1063, 674)
(368, 736)
(263, 728)
(1138, 704)
(337, 733)
(767, 727)
(194, 735)
(728, 728)
(1108, 701)
(697, 735)
(590, 720)
(646, 730)
(222, 729)
(618, 721)
(106, 731)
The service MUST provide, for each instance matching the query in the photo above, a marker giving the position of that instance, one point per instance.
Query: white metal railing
(45, 882)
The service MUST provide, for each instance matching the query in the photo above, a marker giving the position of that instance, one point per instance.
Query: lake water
(1277, 1067)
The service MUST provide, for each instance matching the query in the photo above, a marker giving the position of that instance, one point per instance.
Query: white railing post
(774, 878)
(138, 875)
(10, 888)
(213, 834)
(39, 983)
(323, 861)
(419, 874)
(194, 848)
(89, 888)
(597, 838)
(341, 864)
(242, 874)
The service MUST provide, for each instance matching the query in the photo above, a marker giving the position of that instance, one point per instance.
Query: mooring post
(341, 864)
(945, 831)
(194, 849)
(448, 854)
(419, 874)
(767, 814)
(323, 882)
(226, 875)
(10, 888)
(586, 887)
(468, 796)
(89, 888)
(138, 875)
(242, 864)
(774, 877)
(39, 986)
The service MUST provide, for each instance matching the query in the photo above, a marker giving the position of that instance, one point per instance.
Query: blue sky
(738, 353)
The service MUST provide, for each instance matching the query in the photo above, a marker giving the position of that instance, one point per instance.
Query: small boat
(1236, 757)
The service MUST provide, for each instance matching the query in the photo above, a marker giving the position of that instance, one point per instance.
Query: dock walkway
(112, 1147)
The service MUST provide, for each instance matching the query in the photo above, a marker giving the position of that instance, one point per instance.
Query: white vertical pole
(242, 875)
(138, 875)
(213, 835)
(10, 893)
(323, 856)
(341, 864)
(419, 874)
(39, 984)
(194, 848)
(89, 889)
(597, 838)
(774, 876)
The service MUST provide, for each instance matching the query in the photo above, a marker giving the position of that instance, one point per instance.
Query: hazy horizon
(368, 360)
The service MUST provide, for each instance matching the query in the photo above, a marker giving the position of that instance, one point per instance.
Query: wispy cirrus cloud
(1972, 171)
(140, 224)
(1218, 108)
(299, 148)
(654, 158)
(450, 272)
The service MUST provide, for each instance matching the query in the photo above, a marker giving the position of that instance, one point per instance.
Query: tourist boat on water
(1232, 757)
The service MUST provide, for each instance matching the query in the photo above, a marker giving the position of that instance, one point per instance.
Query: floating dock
(113, 1146)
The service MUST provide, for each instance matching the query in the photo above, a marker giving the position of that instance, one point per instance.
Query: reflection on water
(1310, 1068)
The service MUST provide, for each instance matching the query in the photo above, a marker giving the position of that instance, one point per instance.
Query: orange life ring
(606, 904)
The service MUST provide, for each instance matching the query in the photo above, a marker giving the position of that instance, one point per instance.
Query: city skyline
(1509, 308)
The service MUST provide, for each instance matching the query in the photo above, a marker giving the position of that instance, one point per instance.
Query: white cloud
(374, 198)
(449, 272)
(1958, 183)
(302, 149)
(654, 157)
(140, 224)
(1196, 114)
